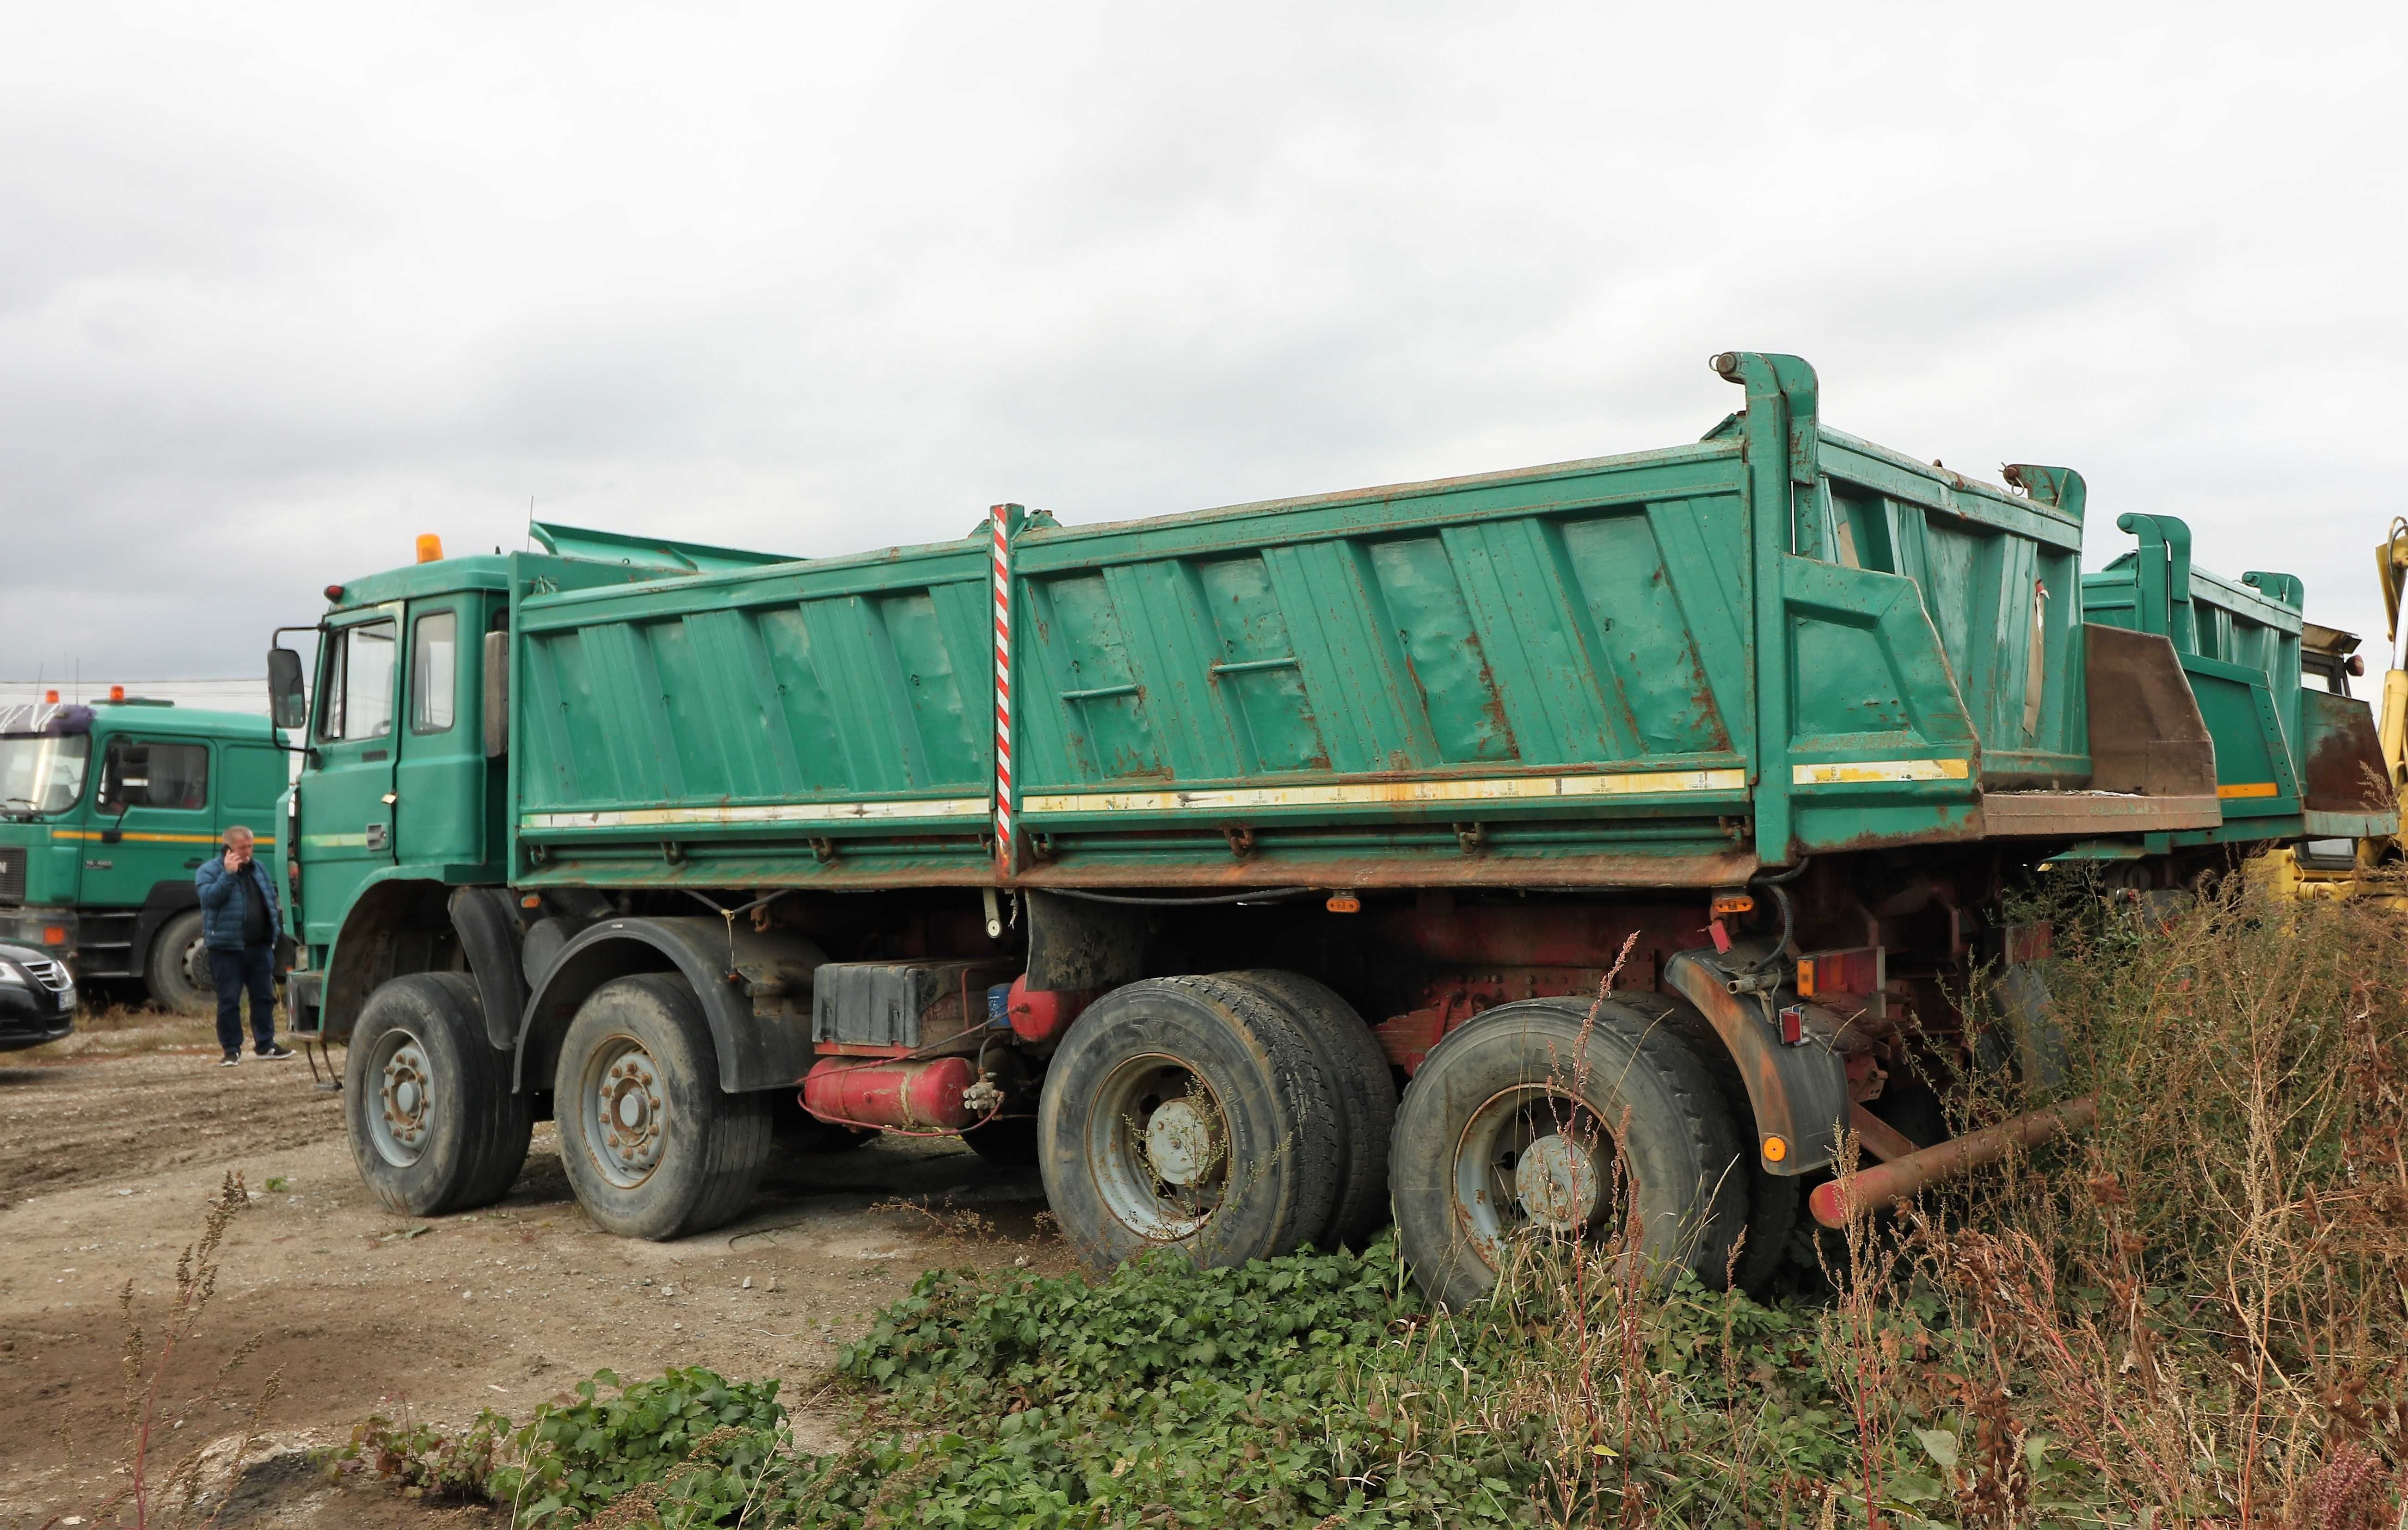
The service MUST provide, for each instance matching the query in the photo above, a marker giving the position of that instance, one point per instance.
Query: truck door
(347, 817)
(441, 776)
(153, 817)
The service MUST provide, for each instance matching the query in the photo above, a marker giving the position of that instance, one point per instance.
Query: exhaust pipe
(1886, 1184)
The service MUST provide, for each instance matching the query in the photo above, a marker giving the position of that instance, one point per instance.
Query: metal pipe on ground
(1886, 1184)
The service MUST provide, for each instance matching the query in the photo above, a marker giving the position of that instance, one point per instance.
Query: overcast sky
(281, 286)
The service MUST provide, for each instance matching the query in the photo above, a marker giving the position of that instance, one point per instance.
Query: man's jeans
(253, 967)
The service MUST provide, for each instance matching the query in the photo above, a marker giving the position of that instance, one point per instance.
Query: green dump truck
(1159, 852)
(105, 811)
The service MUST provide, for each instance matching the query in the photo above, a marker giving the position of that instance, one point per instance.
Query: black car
(38, 998)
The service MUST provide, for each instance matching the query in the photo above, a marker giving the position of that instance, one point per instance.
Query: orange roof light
(117, 693)
(430, 547)
(50, 696)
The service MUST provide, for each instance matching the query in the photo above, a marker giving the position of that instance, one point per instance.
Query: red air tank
(1041, 1015)
(915, 1096)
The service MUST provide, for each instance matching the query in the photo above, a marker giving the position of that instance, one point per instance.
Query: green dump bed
(1661, 669)
(2289, 760)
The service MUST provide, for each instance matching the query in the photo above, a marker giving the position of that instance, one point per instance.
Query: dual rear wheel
(1247, 1114)
(1226, 1117)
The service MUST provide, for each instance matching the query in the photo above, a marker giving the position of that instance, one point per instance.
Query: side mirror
(286, 704)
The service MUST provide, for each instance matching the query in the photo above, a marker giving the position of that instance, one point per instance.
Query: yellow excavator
(2364, 868)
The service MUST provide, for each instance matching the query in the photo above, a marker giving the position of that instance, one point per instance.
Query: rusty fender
(1800, 1093)
(1885, 1183)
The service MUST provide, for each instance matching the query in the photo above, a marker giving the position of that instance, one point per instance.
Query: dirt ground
(117, 1138)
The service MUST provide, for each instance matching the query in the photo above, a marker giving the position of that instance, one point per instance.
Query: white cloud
(280, 287)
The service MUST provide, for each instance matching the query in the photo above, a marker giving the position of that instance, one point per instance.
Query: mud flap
(488, 928)
(1074, 944)
(752, 988)
(2020, 996)
(1800, 1094)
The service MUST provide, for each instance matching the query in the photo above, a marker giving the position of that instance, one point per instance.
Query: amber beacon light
(430, 547)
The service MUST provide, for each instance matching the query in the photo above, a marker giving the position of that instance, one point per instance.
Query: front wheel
(176, 970)
(652, 1147)
(1543, 1123)
(427, 1101)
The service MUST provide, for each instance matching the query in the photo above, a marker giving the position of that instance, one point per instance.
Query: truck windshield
(43, 775)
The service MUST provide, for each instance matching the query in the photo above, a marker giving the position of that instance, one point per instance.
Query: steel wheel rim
(625, 1111)
(195, 962)
(402, 1116)
(1157, 1147)
(1532, 1163)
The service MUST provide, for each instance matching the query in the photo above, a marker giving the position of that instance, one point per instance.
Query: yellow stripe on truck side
(135, 836)
(2248, 788)
(1849, 772)
(1502, 788)
(1505, 789)
(796, 812)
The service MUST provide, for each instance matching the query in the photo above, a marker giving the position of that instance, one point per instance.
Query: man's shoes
(273, 1053)
(229, 1059)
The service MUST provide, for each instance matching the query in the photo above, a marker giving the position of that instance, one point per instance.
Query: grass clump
(1306, 1390)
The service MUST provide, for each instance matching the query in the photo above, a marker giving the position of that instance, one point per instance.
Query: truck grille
(12, 875)
(50, 975)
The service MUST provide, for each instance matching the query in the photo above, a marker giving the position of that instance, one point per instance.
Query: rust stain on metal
(2344, 772)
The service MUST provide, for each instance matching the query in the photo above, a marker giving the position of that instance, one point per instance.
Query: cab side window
(358, 683)
(434, 672)
(169, 776)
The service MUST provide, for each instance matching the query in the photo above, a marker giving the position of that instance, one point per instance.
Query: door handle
(194, 864)
(391, 797)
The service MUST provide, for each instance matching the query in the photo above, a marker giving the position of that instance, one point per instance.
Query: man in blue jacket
(239, 923)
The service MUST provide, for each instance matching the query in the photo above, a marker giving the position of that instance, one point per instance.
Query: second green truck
(105, 811)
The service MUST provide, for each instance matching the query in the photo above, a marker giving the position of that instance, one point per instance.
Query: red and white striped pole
(1001, 517)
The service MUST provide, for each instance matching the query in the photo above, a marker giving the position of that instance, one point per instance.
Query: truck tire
(433, 1124)
(1773, 1200)
(175, 969)
(652, 1147)
(1352, 1060)
(1187, 1113)
(1506, 1137)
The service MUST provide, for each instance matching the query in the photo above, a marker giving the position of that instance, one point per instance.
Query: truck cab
(404, 795)
(396, 793)
(105, 811)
